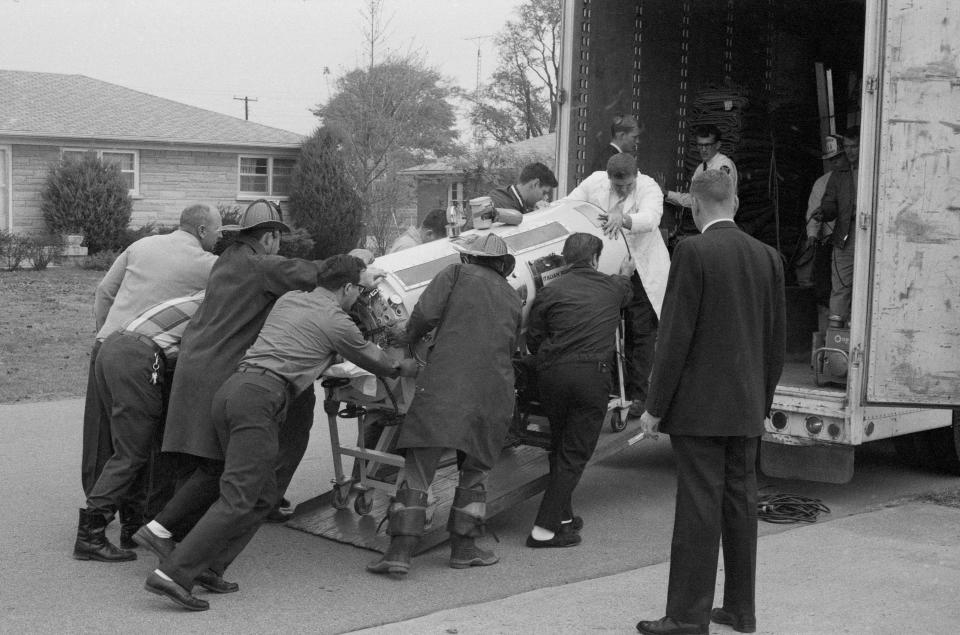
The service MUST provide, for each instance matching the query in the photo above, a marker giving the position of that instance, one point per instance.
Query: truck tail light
(814, 425)
(779, 420)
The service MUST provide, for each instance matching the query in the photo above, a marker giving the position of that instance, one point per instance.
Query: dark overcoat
(464, 397)
(243, 286)
(720, 349)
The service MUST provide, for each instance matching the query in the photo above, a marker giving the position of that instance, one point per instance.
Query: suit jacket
(720, 347)
(645, 207)
(506, 198)
(600, 161)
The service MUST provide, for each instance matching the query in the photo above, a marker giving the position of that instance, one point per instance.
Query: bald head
(202, 222)
(713, 197)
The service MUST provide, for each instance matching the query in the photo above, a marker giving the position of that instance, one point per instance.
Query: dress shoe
(215, 583)
(162, 547)
(175, 592)
(669, 626)
(740, 623)
(560, 539)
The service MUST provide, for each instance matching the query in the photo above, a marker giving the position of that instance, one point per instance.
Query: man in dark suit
(534, 185)
(624, 132)
(719, 357)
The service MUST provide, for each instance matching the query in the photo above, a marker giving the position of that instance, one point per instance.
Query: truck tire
(943, 446)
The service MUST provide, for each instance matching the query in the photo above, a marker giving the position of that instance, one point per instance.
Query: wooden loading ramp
(521, 473)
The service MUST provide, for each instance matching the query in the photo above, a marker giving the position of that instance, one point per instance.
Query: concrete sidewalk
(895, 570)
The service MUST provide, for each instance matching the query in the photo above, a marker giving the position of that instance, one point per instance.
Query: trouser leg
(123, 373)
(841, 281)
(696, 527)
(577, 394)
(248, 489)
(420, 466)
(294, 437)
(739, 528)
(640, 340)
(97, 447)
(193, 498)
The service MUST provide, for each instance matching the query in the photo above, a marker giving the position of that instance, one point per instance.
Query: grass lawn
(46, 332)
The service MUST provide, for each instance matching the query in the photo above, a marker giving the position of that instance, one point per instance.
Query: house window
(455, 196)
(265, 176)
(127, 160)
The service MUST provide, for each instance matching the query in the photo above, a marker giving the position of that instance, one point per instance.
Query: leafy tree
(323, 199)
(520, 101)
(88, 196)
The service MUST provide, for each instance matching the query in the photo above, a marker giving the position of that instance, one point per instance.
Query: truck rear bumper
(783, 456)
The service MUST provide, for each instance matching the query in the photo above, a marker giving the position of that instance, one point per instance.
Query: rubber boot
(92, 543)
(465, 525)
(407, 517)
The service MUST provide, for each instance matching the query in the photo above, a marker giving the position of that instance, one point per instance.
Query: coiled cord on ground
(789, 508)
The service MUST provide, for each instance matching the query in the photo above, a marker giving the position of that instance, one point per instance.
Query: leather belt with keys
(154, 376)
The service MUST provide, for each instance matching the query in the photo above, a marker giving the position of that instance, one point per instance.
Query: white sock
(163, 575)
(159, 530)
(539, 533)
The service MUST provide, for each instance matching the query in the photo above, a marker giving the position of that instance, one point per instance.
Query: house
(170, 153)
(450, 181)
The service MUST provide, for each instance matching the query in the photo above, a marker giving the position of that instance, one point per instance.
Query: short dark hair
(336, 271)
(435, 221)
(621, 165)
(538, 171)
(707, 130)
(623, 123)
(580, 248)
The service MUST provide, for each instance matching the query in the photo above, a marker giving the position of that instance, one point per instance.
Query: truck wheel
(943, 446)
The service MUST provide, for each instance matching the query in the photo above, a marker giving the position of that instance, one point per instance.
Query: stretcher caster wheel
(341, 497)
(618, 421)
(363, 503)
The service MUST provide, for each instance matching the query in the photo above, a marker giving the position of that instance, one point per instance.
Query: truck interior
(776, 76)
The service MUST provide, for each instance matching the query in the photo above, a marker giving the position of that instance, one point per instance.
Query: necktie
(703, 167)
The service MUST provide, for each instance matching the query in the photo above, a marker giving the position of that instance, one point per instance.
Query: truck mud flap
(822, 462)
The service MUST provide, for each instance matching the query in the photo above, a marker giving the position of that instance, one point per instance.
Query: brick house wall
(170, 180)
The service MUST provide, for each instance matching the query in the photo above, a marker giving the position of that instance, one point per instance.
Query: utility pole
(246, 106)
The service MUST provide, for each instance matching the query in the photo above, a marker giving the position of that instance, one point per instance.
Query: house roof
(52, 105)
(544, 145)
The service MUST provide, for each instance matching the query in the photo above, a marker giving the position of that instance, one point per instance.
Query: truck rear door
(909, 194)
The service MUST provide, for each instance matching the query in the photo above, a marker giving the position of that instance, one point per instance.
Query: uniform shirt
(574, 318)
(815, 228)
(719, 161)
(303, 335)
(165, 322)
(406, 240)
(151, 270)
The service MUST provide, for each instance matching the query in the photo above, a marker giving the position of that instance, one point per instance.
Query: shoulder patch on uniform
(725, 168)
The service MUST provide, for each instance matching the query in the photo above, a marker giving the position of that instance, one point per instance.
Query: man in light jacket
(633, 205)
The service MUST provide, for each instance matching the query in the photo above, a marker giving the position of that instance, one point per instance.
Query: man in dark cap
(464, 399)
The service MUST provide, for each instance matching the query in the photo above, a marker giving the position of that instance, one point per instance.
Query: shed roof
(544, 145)
(53, 105)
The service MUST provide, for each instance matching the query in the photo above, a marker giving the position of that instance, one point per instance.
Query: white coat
(645, 207)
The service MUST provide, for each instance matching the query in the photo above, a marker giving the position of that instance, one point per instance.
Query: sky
(207, 52)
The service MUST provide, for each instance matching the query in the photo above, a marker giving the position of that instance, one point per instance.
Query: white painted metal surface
(912, 272)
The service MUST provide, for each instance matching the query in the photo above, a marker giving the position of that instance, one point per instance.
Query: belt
(266, 372)
(143, 339)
